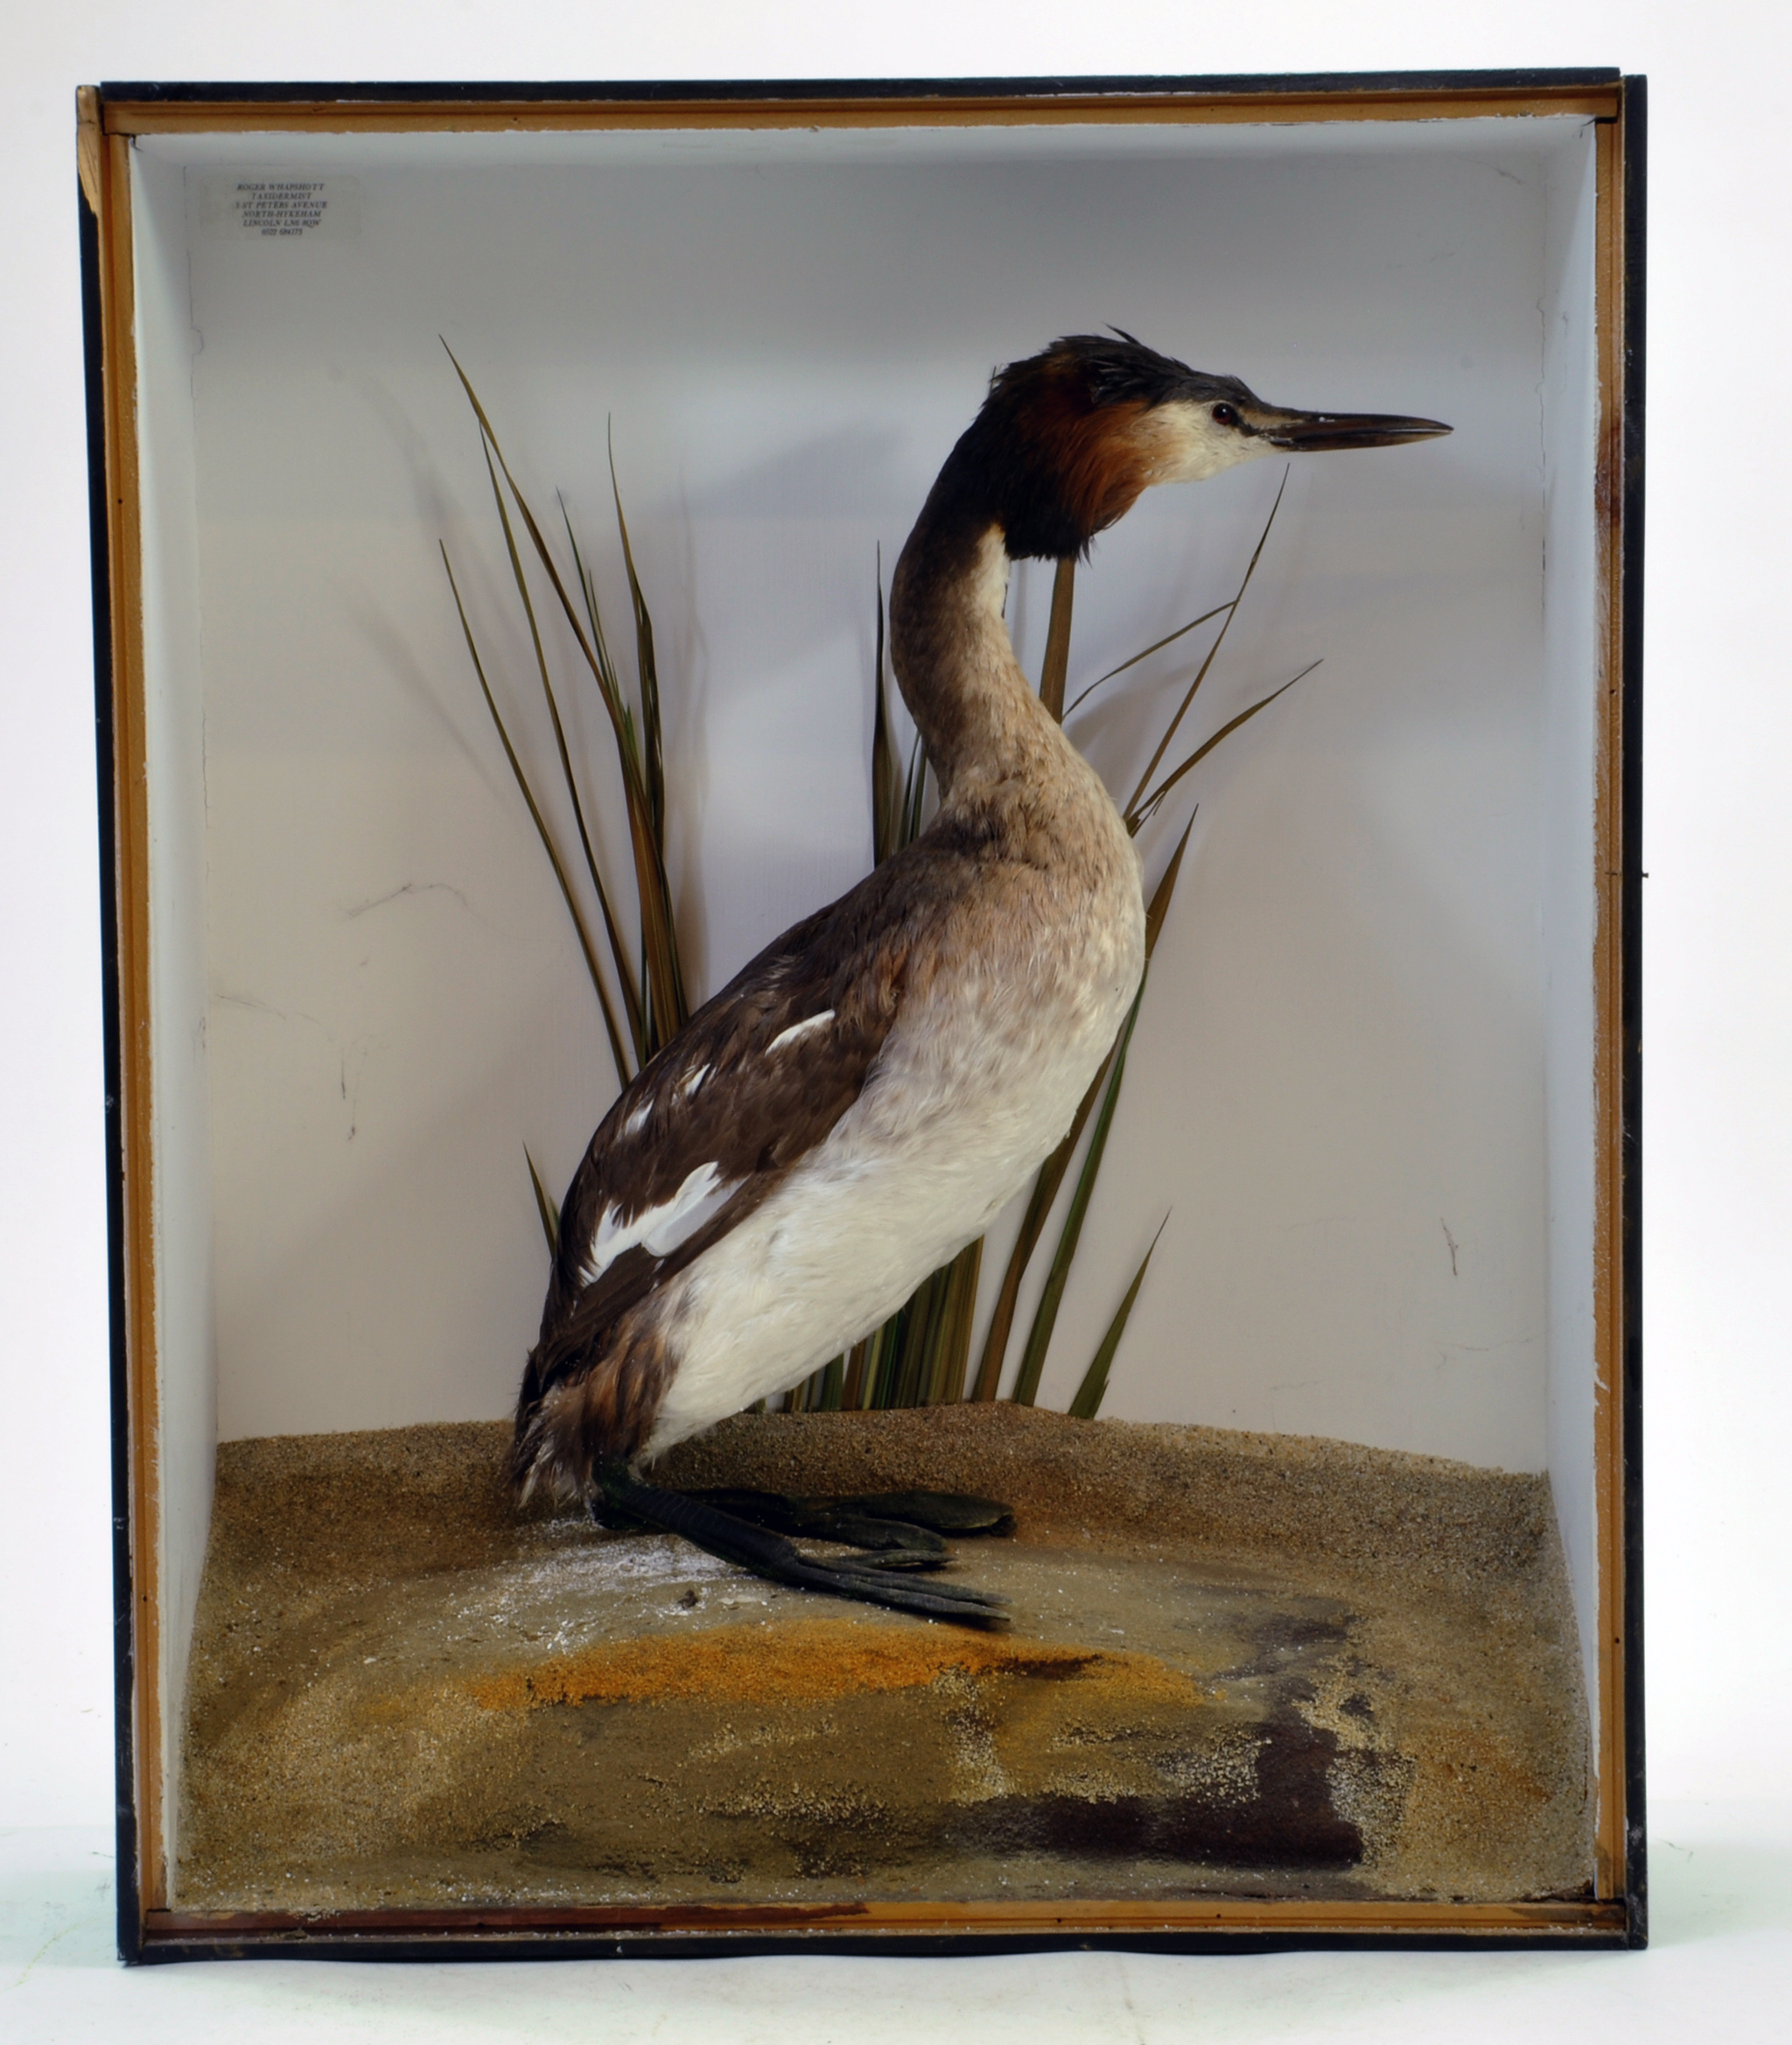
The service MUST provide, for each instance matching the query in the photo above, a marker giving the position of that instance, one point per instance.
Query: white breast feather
(976, 1082)
(970, 1093)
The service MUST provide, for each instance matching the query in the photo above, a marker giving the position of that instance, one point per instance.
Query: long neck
(953, 660)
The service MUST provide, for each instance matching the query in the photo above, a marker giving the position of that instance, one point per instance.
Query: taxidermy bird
(863, 1098)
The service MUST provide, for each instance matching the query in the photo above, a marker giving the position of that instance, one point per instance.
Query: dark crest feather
(1119, 369)
(1040, 460)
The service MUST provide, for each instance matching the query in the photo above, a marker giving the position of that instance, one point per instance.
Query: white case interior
(1363, 1088)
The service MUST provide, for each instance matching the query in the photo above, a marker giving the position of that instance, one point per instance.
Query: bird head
(1068, 439)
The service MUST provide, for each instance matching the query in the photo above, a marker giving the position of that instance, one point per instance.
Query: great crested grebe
(863, 1098)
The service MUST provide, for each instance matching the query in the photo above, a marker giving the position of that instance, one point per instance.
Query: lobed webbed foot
(749, 1529)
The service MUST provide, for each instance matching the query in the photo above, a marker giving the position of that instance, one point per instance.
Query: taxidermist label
(270, 206)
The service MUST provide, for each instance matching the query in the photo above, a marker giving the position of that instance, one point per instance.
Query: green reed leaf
(1231, 611)
(880, 1351)
(1146, 809)
(950, 1337)
(545, 1208)
(647, 667)
(1039, 1341)
(1057, 660)
(913, 796)
(546, 837)
(1158, 908)
(608, 684)
(1051, 1173)
(853, 1390)
(920, 1335)
(1156, 646)
(1032, 1224)
(1093, 1389)
(820, 1391)
(886, 797)
(631, 1003)
(665, 986)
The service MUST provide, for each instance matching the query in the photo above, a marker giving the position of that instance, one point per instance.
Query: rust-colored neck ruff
(1041, 471)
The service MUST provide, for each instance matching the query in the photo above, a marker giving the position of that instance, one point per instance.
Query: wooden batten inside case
(1379, 1096)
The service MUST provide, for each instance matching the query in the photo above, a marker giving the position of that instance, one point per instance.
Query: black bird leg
(620, 1497)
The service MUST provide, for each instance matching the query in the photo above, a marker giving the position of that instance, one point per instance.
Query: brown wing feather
(598, 1372)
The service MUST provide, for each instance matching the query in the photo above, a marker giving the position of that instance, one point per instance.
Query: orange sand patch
(809, 1662)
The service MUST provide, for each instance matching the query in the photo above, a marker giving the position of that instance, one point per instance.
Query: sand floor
(1238, 1664)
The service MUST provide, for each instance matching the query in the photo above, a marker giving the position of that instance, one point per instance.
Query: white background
(1719, 852)
(1342, 1054)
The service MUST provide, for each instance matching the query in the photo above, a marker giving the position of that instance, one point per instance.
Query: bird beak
(1310, 432)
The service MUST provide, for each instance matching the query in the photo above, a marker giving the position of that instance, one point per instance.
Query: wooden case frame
(110, 118)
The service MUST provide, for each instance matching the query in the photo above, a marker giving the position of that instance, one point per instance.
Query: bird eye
(1224, 415)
